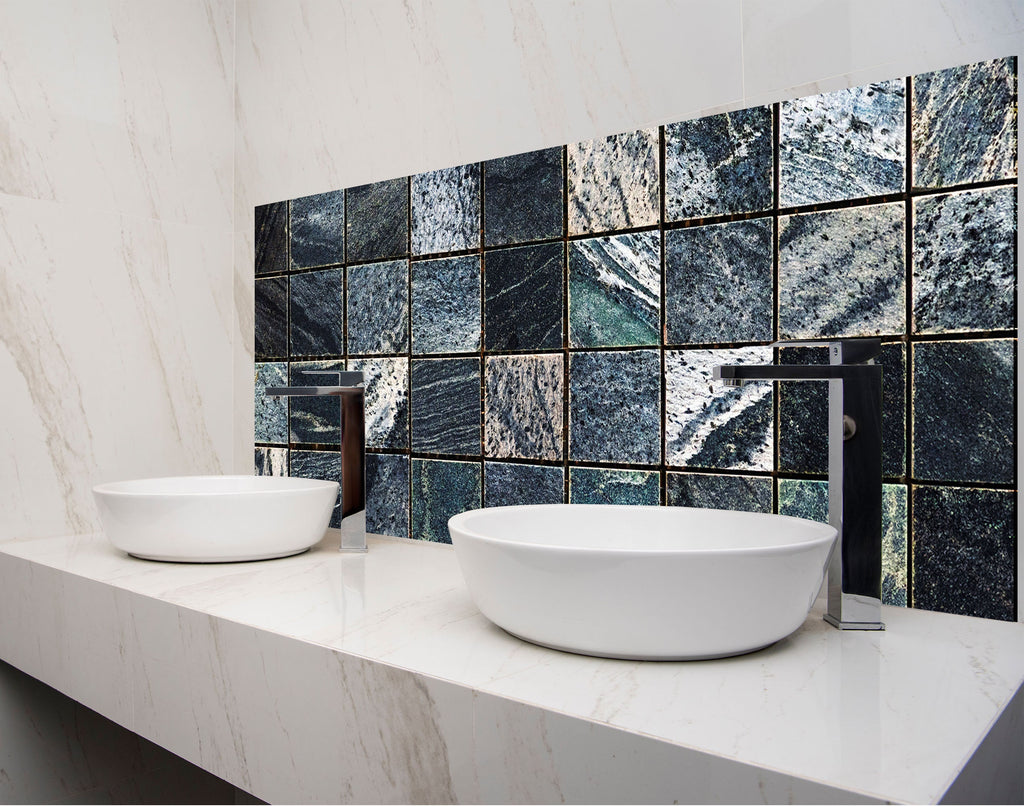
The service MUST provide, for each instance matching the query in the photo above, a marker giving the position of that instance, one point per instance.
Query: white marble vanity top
(822, 715)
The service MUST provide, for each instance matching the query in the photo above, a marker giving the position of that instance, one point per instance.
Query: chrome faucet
(349, 390)
(854, 470)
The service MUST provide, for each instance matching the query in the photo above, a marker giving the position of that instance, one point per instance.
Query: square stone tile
(446, 305)
(446, 405)
(523, 297)
(523, 197)
(377, 221)
(387, 494)
(271, 412)
(446, 210)
(271, 238)
(314, 419)
(323, 465)
(508, 484)
(712, 491)
(387, 401)
(271, 318)
(270, 462)
(317, 229)
(523, 406)
(591, 485)
(378, 308)
(441, 489)
(804, 498)
(317, 313)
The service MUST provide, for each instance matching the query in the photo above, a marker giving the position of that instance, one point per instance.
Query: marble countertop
(822, 715)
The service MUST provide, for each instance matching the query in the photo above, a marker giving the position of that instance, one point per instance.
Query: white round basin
(209, 519)
(646, 583)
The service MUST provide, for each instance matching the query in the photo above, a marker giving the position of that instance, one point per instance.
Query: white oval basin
(210, 519)
(646, 583)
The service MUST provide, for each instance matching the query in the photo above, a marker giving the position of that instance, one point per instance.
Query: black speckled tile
(317, 315)
(709, 425)
(386, 400)
(377, 223)
(378, 307)
(843, 273)
(965, 551)
(314, 419)
(446, 405)
(719, 164)
(271, 413)
(613, 182)
(270, 462)
(843, 145)
(324, 465)
(446, 210)
(441, 489)
(615, 291)
(446, 305)
(964, 411)
(523, 197)
(387, 494)
(271, 238)
(588, 485)
(512, 485)
(271, 318)
(718, 283)
(746, 493)
(523, 293)
(317, 227)
(615, 407)
(523, 406)
(965, 261)
(965, 124)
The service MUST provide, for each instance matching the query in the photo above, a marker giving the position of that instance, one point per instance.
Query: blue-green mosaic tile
(317, 316)
(708, 491)
(965, 124)
(322, 465)
(800, 498)
(446, 210)
(588, 485)
(270, 462)
(523, 197)
(615, 291)
(314, 419)
(523, 293)
(718, 283)
(441, 489)
(513, 485)
(843, 273)
(377, 221)
(317, 228)
(523, 406)
(446, 305)
(615, 407)
(387, 494)
(710, 425)
(378, 307)
(271, 324)
(446, 405)
(271, 237)
(386, 381)
(843, 145)
(965, 261)
(964, 411)
(271, 412)
(965, 551)
(719, 164)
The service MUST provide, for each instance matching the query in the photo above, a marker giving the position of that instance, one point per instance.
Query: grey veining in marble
(965, 261)
(965, 124)
(313, 419)
(271, 237)
(591, 485)
(317, 230)
(271, 413)
(446, 210)
(270, 462)
(441, 489)
(746, 493)
(719, 164)
(377, 224)
(324, 465)
(613, 182)
(378, 307)
(386, 400)
(317, 316)
(387, 494)
(507, 484)
(843, 145)
(523, 406)
(446, 405)
(523, 197)
(523, 293)
(843, 272)
(718, 283)
(615, 291)
(446, 305)
(271, 318)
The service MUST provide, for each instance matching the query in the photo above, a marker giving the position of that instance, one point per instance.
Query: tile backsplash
(542, 327)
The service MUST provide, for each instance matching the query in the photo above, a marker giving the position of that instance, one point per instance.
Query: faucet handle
(859, 350)
(340, 378)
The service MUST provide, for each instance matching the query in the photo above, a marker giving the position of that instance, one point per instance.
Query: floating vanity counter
(372, 678)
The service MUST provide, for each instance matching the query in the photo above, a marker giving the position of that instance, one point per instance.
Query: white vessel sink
(646, 583)
(210, 519)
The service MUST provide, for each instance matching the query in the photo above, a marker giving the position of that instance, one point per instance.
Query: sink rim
(268, 485)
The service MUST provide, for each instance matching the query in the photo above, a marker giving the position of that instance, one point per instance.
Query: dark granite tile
(843, 273)
(615, 291)
(317, 315)
(523, 197)
(378, 307)
(801, 498)
(746, 493)
(446, 405)
(843, 145)
(965, 549)
(441, 489)
(718, 283)
(511, 485)
(271, 322)
(613, 182)
(446, 210)
(270, 462)
(271, 412)
(615, 407)
(709, 425)
(965, 261)
(377, 223)
(965, 124)
(964, 411)
(318, 230)
(314, 419)
(387, 400)
(718, 165)
(588, 485)
(446, 305)
(271, 237)
(324, 465)
(523, 292)
(387, 494)
(523, 406)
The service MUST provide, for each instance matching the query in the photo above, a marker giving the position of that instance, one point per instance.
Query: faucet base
(854, 625)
